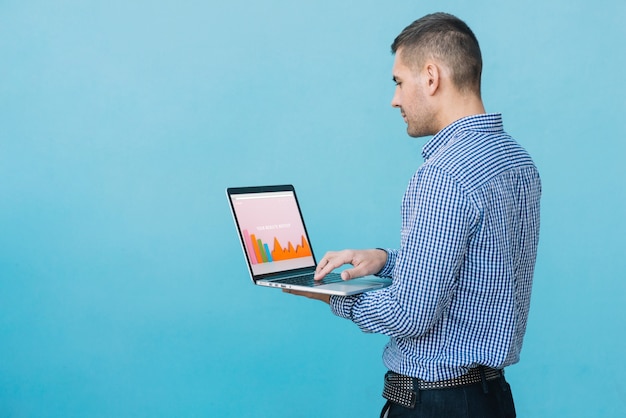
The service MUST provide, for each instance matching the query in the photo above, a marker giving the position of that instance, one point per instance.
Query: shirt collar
(489, 122)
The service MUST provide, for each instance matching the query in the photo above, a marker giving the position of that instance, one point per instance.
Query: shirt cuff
(387, 270)
(342, 305)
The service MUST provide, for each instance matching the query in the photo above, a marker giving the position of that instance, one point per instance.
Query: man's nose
(395, 101)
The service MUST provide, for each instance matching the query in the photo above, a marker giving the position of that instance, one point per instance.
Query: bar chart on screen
(259, 251)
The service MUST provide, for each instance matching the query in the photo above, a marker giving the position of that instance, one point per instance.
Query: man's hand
(364, 262)
(310, 295)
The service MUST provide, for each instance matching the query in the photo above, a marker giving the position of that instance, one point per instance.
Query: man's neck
(458, 107)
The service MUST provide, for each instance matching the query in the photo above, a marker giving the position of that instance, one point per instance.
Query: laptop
(276, 244)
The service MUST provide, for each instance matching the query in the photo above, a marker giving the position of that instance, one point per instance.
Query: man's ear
(433, 75)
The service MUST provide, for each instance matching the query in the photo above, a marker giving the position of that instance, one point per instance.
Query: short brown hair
(447, 38)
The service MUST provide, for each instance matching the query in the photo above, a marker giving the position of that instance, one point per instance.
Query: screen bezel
(233, 191)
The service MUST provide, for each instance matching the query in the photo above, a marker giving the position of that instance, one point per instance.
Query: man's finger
(328, 263)
(352, 273)
(310, 295)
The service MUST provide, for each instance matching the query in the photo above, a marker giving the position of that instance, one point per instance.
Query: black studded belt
(403, 390)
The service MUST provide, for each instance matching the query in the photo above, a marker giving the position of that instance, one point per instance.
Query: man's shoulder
(474, 158)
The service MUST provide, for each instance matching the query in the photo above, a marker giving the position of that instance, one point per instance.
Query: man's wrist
(390, 261)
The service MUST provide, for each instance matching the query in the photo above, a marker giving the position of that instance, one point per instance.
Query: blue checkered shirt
(463, 274)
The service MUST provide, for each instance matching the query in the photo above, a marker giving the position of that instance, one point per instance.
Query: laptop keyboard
(307, 280)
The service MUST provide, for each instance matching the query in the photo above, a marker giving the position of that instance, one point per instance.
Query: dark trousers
(490, 399)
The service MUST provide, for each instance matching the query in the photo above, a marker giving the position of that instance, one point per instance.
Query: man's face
(412, 99)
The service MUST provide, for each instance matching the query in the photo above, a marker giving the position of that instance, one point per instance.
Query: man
(457, 309)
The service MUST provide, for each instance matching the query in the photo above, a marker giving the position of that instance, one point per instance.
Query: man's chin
(418, 133)
(414, 134)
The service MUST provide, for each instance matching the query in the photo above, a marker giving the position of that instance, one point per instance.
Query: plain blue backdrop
(123, 291)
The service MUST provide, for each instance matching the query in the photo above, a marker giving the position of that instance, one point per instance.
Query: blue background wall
(123, 292)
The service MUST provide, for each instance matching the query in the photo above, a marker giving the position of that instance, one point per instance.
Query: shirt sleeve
(387, 270)
(342, 306)
(438, 220)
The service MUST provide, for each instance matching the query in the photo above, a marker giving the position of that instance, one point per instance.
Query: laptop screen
(272, 231)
